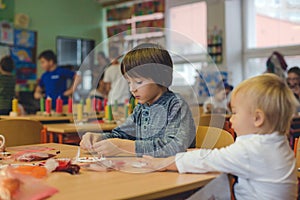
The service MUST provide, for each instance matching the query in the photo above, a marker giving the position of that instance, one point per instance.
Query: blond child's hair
(271, 95)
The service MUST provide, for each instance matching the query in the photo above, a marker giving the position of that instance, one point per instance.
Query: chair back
(20, 131)
(212, 120)
(211, 137)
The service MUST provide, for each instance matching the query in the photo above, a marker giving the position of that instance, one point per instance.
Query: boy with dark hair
(161, 124)
(54, 81)
(7, 84)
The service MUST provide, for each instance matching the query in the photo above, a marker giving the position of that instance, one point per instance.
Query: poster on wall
(6, 33)
(21, 55)
(4, 51)
(25, 72)
(24, 38)
(209, 80)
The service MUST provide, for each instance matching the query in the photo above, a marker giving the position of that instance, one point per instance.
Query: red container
(59, 105)
(48, 105)
(70, 102)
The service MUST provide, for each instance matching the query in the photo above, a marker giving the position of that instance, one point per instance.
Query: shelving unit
(215, 46)
(134, 23)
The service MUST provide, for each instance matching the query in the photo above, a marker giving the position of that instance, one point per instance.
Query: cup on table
(2, 143)
(3, 155)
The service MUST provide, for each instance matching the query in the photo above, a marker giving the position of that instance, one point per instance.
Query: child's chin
(141, 102)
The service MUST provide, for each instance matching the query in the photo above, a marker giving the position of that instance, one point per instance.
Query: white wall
(226, 15)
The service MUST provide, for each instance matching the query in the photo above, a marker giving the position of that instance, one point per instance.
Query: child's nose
(132, 88)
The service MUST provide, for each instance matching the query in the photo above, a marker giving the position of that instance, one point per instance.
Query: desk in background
(49, 119)
(71, 130)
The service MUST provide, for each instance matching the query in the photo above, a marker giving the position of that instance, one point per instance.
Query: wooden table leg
(44, 138)
(60, 138)
(51, 137)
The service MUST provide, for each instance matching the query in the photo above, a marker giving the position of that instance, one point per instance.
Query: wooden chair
(211, 137)
(212, 120)
(296, 147)
(20, 131)
(201, 110)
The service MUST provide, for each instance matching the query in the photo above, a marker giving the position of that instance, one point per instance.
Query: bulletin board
(210, 80)
(21, 45)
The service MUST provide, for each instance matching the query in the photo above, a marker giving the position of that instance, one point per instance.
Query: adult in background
(116, 85)
(293, 80)
(276, 65)
(98, 70)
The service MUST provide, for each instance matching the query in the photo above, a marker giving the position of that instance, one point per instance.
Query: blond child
(261, 158)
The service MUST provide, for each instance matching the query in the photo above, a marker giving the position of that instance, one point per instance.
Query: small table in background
(70, 131)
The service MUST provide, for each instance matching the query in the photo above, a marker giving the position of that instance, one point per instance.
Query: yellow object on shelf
(88, 105)
(15, 105)
(79, 112)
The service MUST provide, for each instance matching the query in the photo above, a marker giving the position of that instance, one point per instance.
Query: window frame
(254, 52)
(199, 57)
(191, 58)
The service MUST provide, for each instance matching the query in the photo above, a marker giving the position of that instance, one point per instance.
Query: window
(195, 29)
(257, 66)
(265, 32)
(188, 40)
(280, 26)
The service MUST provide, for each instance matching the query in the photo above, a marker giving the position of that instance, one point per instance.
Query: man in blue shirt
(54, 81)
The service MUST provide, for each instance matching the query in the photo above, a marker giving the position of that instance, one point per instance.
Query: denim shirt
(161, 129)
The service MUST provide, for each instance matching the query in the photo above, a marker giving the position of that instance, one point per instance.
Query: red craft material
(70, 102)
(94, 104)
(59, 105)
(48, 105)
(99, 105)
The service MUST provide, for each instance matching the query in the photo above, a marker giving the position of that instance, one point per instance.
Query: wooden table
(67, 129)
(120, 185)
(43, 119)
(49, 119)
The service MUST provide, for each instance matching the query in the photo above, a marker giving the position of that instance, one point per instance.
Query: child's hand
(68, 92)
(108, 147)
(38, 95)
(89, 139)
(159, 164)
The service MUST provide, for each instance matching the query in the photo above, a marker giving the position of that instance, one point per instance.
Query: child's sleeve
(232, 159)
(177, 136)
(67, 73)
(108, 76)
(127, 130)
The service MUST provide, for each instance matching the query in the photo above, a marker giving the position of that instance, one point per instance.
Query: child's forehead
(135, 78)
(236, 98)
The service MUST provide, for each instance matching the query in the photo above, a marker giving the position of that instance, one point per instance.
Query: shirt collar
(160, 100)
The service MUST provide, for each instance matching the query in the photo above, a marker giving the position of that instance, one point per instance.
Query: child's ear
(259, 118)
